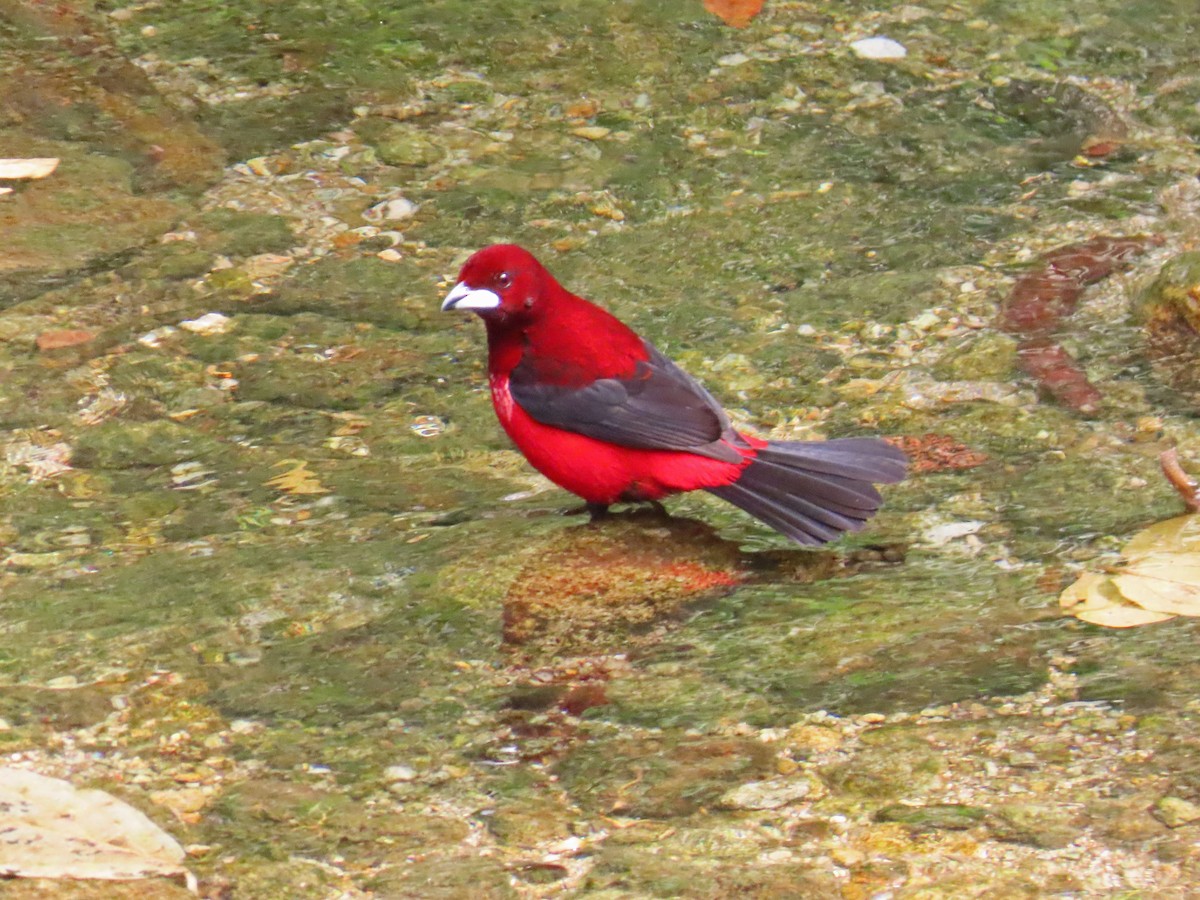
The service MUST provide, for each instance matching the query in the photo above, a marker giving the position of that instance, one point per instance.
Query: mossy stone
(1177, 288)
(394, 295)
(172, 261)
(990, 356)
(405, 145)
(1036, 825)
(935, 817)
(237, 233)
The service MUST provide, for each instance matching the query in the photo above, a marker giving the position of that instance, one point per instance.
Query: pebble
(266, 265)
(399, 773)
(879, 48)
(847, 857)
(58, 340)
(182, 801)
(1175, 811)
(765, 794)
(926, 321)
(157, 336)
(209, 323)
(943, 534)
(591, 132)
(394, 210)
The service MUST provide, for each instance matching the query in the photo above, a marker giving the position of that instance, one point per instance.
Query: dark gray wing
(659, 407)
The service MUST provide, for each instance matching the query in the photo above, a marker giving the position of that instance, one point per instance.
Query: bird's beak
(463, 296)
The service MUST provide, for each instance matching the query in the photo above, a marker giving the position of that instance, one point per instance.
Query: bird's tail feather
(814, 491)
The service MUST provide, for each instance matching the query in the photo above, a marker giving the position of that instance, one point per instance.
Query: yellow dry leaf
(1162, 584)
(296, 480)
(1181, 533)
(1123, 617)
(1082, 595)
(352, 423)
(1159, 580)
(1093, 598)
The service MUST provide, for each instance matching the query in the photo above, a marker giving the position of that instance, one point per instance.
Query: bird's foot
(595, 510)
(657, 508)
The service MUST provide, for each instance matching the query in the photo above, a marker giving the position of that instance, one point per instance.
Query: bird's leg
(595, 510)
(659, 509)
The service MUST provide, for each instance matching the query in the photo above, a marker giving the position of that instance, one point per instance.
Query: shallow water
(290, 561)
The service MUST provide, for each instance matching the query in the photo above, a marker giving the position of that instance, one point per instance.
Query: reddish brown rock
(59, 340)
(1043, 298)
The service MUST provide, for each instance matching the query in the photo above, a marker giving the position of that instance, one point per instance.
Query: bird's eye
(503, 280)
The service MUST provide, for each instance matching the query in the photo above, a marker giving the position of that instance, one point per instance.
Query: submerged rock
(765, 794)
(1170, 310)
(1175, 812)
(593, 583)
(405, 145)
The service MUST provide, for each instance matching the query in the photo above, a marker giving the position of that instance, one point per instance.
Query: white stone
(209, 323)
(157, 336)
(765, 794)
(943, 534)
(399, 773)
(879, 48)
(394, 210)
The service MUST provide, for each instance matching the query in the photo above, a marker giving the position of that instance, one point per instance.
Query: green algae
(241, 233)
(127, 445)
(676, 778)
(391, 295)
(947, 817)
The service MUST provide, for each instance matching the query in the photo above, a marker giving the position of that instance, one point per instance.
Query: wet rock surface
(270, 571)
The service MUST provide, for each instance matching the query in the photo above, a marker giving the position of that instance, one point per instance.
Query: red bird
(602, 413)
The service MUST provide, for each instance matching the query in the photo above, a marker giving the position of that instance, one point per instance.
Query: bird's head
(501, 282)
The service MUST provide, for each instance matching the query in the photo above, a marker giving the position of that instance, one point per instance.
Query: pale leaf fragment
(1162, 583)
(1123, 617)
(51, 829)
(1093, 598)
(296, 480)
(27, 168)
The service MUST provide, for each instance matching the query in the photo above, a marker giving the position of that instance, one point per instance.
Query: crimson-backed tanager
(601, 412)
